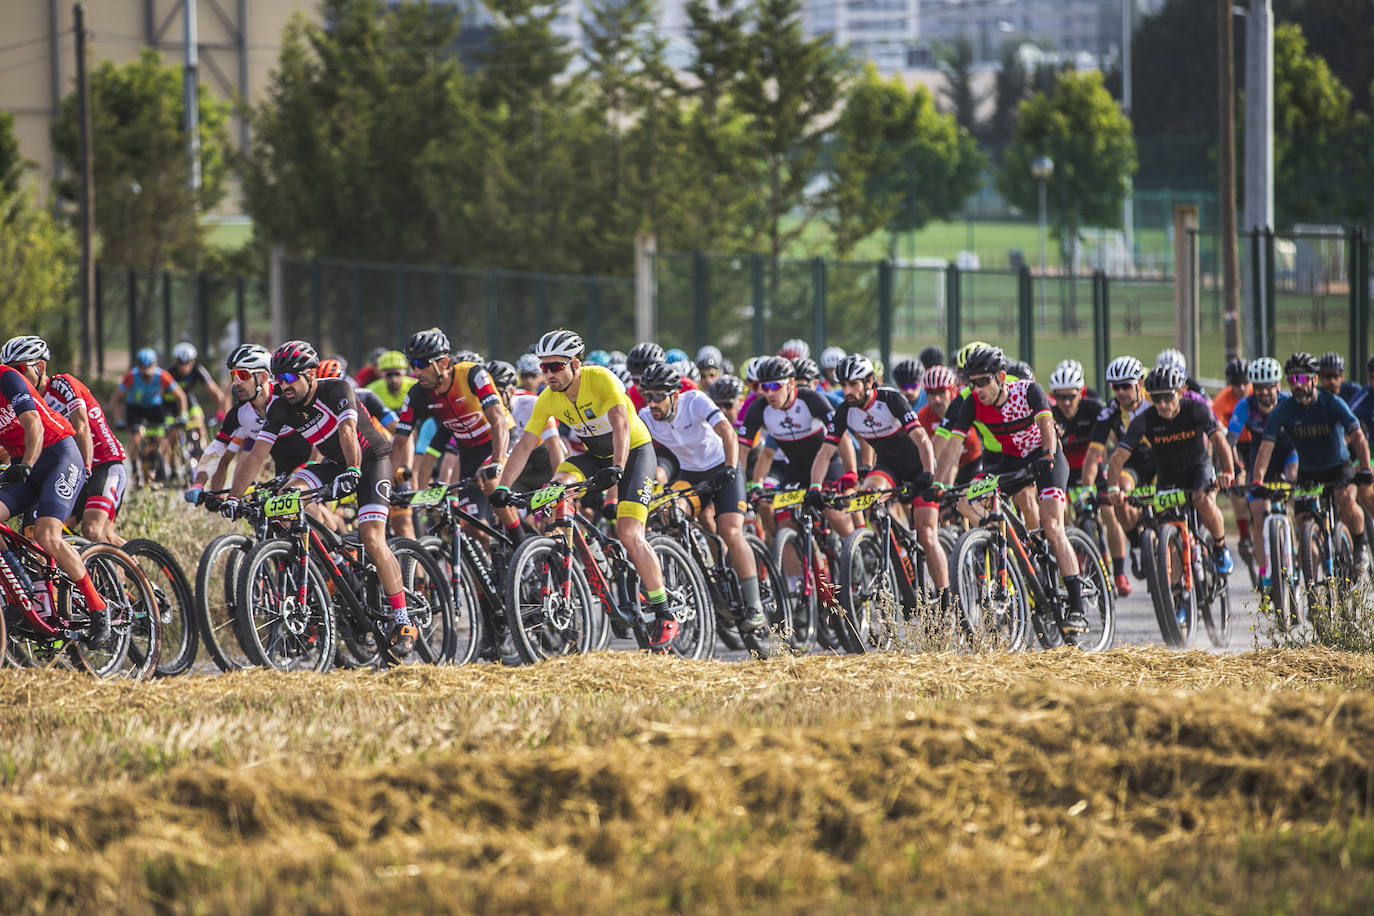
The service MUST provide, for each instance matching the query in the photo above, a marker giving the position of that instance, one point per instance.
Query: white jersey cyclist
(688, 435)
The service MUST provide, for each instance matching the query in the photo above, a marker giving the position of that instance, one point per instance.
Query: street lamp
(1041, 169)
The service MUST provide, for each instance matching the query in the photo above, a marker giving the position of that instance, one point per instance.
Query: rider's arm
(81, 424)
(620, 434)
(1114, 466)
(515, 461)
(1359, 447)
(176, 389)
(500, 434)
(348, 442)
(402, 451)
(212, 386)
(1236, 425)
(822, 462)
(249, 465)
(729, 439)
(848, 459)
(1221, 447)
(221, 471)
(1266, 450)
(1049, 435)
(33, 436)
(924, 446)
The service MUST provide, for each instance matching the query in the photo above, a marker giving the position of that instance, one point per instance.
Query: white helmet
(527, 364)
(24, 349)
(831, 356)
(1125, 369)
(249, 356)
(796, 348)
(1263, 371)
(184, 352)
(1172, 357)
(709, 352)
(1068, 374)
(563, 343)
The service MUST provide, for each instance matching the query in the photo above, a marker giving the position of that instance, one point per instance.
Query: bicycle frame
(16, 594)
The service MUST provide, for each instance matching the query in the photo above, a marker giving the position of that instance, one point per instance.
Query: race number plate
(861, 502)
(1145, 492)
(550, 494)
(983, 486)
(1168, 499)
(787, 498)
(283, 505)
(662, 499)
(431, 497)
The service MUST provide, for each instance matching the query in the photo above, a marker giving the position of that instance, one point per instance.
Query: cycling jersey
(144, 391)
(1010, 429)
(241, 428)
(459, 409)
(318, 419)
(18, 397)
(1249, 419)
(638, 401)
(1112, 421)
(598, 391)
(1179, 444)
(973, 449)
(381, 414)
(195, 377)
(394, 401)
(1318, 430)
(885, 423)
(1076, 432)
(1224, 406)
(689, 434)
(522, 408)
(798, 428)
(65, 394)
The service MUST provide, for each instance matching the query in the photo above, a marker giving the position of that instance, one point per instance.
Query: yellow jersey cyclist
(592, 402)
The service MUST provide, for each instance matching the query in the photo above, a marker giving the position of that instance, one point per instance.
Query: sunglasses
(980, 381)
(1122, 386)
(551, 368)
(286, 378)
(1162, 397)
(772, 386)
(241, 375)
(1300, 380)
(1331, 376)
(418, 364)
(1066, 395)
(656, 397)
(911, 387)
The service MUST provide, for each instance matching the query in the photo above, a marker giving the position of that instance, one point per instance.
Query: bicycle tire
(176, 605)
(1177, 607)
(272, 630)
(542, 623)
(1214, 599)
(135, 627)
(429, 602)
(215, 602)
(775, 608)
(696, 617)
(468, 627)
(987, 612)
(1278, 553)
(1320, 592)
(802, 608)
(1092, 567)
(868, 592)
(1159, 599)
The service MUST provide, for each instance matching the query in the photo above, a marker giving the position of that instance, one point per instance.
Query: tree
(958, 94)
(147, 215)
(37, 270)
(1311, 122)
(1336, 30)
(1011, 87)
(12, 163)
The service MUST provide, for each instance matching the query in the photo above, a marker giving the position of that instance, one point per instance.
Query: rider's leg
(927, 520)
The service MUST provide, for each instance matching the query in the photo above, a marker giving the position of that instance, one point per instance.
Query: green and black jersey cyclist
(1018, 432)
(191, 375)
(1179, 431)
(1128, 402)
(592, 402)
(1325, 434)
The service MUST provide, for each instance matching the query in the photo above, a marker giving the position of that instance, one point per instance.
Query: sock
(94, 602)
(1133, 536)
(1357, 540)
(1074, 586)
(398, 607)
(515, 532)
(1244, 525)
(1221, 544)
(750, 588)
(1118, 565)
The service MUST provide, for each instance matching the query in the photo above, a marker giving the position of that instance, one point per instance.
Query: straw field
(1141, 779)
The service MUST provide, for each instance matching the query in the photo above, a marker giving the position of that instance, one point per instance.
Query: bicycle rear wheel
(175, 603)
(993, 609)
(469, 632)
(799, 588)
(1213, 598)
(276, 628)
(1321, 590)
(772, 598)
(1175, 603)
(135, 627)
(429, 602)
(691, 602)
(217, 577)
(544, 622)
(1099, 601)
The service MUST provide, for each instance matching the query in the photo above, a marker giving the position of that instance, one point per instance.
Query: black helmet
(430, 343)
(806, 368)
(659, 377)
(641, 355)
(708, 362)
(502, 373)
(468, 356)
(985, 361)
(1165, 378)
(1300, 364)
(931, 356)
(854, 367)
(1021, 370)
(1331, 362)
(908, 373)
(294, 356)
(726, 388)
(1237, 371)
(773, 368)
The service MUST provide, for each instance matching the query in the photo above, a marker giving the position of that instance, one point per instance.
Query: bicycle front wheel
(1099, 601)
(1323, 591)
(1283, 572)
(278, 626)
(135, 627)
(1175, 602)
(799, 588)
(868, 593)
(773, 599)
(175, 604)
(548, 607)
(691, 603)
(992, 594)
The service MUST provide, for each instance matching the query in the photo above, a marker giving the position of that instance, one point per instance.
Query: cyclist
(1223, 406)
(369, 373)
(1077, 413)
(1175, 358)
(462, 399)
(1123, 374)
(1179, 430)
(591, 401)
(709, 367)
(830, 358)
(394, 382)
(101, 452)
(539, 469)
(641, 356)
(907, 375)
(931, 356)
(384, 417)
(1331, 369)
(1016, 424)
(706, 447)
(727, 393)
(941, 387)
(46, 472)
(190, 375)
(887, 421)
(1325, 434)
(143, 394)
(356, 459)
(1250, 416)
(531, 379)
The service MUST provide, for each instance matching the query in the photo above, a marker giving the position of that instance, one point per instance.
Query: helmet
(854, 367)
(622, 372)
(1125, 369)
(1021, 370)
(375, 353)
(24, 349)
(806, 369)
(527, 364)
(687, 368)
(773, 369)
(431, 343)
(750, 368)
(184, 352)
(564, 343)
(1066, 375)
(796, 348)
(931, 356)
(709, 352)
(983, 360)
(660, 377)
(599, 358)
(297, 356)
(676, 355)
(1301, 364)
(940, 377)
(908, 372)
(1165, 378)
(343, 363)
(831, 356)
(1172, 357)
(1331, 362)
(641, 354)
(1266, 371)
(146, 358)
(965, 350)
(249, 356)
(391, 361)
(468, 356)
(617, 356)
(502, 373)
(329, 368)
(726, 388)
(1237, 371)
(708, 362)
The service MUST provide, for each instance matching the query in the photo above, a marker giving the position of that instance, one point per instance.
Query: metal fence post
(541, 302)
(756, 296)
(316, 281)
(203, 297)
(1352, 278)
(493, 312)
(133, 315)
(167, 314)
(884, 310)
(952, 310)
(594, 310)
(99, 321)
(1363, 278)
(355, 276)
(699, 331)
(1102, 326)
(1025, 312)
(818, 302)
(402, 306)
(446, 299)
(1270, 300)
(241, 309)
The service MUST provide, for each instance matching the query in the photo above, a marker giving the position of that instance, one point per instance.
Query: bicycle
(554, 580)
(1179, 557)
(175, 605)
(806, 555)
(1326, 555)
(1009, 581)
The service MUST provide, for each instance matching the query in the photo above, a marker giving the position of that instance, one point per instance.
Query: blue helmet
(146, 358)
(599, 358)
(676, 355)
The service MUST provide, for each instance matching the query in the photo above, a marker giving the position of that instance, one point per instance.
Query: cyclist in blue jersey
(1252, 413)
(149, 397)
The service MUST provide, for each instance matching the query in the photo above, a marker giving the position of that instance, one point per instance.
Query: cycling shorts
(895, 475)
(374, 488)
(636, 487)
(470, 461)
(1195, 478)
(104, 490)
(729, 498)
(793, 473)
(1050, 483)
(53, 486)
(1343, 473)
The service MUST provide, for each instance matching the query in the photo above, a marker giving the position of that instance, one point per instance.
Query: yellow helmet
(391, 361)
(962, 355)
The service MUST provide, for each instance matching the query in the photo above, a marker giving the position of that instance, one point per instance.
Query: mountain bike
(175, 604)
(555, 582)
(1326, 556)
(1179, 557)
(1009, 581)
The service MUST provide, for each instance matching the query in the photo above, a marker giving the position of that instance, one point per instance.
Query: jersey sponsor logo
(66, 485)
(589, 413)
(7, 416)
(645, 491)
(1167, 438)
(384, 489)
(343, 404)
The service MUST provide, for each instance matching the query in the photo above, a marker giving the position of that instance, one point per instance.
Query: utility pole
(1259, 164)
(1226, 105)
(87, 206)
(191, 80)
(1128, 204)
